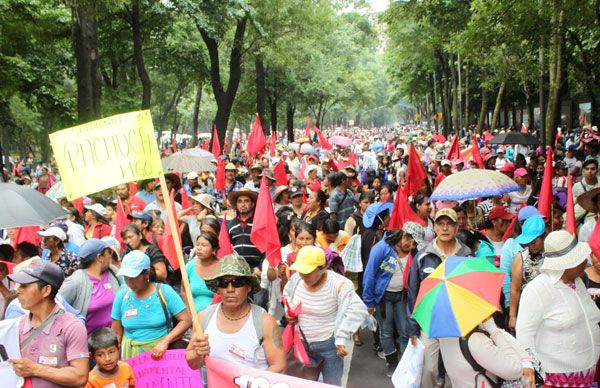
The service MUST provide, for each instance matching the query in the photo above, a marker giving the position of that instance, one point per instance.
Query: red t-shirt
(136, 204)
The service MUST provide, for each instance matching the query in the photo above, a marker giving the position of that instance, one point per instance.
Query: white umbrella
(180, 162)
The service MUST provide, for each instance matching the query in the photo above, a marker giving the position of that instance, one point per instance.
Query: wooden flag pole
(184, 276)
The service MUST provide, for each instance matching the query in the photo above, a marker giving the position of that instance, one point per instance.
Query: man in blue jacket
(445, 244)
(384, 286)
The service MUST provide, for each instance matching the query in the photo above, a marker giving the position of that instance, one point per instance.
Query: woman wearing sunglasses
(234, 329)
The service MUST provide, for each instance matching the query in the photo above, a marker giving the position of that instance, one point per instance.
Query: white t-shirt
(396, 283)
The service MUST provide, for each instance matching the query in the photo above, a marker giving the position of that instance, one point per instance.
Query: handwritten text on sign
(104, 153)
(171, 371)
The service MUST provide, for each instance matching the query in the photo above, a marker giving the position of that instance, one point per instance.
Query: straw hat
(587, 200)
(203, 199)
(233, 196)
(563, 251)
(279, 190)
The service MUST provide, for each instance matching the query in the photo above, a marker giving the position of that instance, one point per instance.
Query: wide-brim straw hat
(233, 196)
(587, 200)
(203, 199)
(562, 251)
(279, 191)
(233, 265)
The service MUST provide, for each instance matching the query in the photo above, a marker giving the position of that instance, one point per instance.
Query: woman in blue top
(204, 266)
(142, 312)
(384, 286)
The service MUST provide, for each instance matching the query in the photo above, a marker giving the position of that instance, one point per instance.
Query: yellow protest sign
(104, 153)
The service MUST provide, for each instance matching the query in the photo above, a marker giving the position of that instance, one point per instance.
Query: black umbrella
(24, 206)
(515, 137)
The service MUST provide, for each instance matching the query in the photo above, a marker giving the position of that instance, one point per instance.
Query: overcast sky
(378, 5)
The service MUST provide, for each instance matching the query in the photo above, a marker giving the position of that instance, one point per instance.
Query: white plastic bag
(351, 255)
(409, 369)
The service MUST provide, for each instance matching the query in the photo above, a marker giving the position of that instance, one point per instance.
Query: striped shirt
(342, 204)
(239, 233)
(319, 309)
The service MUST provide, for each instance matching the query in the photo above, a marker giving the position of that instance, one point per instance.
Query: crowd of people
(89, 295)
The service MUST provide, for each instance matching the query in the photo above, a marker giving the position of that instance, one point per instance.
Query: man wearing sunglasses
(226, 332)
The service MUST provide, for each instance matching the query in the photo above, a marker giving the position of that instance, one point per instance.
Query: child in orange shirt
(109, 371)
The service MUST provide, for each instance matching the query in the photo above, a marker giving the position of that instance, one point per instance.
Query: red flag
(545, 199)
(454, 152)
(570, 224)
(415, 175)
(511, 227)
(323, 143)
(307, 130)
(333, 165)
(216, 146)
(174, 144)
(402, 212)
(487, 136)
(132, 188)
(279, 173)
(273, 144)
(594, 240)
(225, 247)
(185, 201)
(78, 204)
(256, 140)
(352, 159)
(28, 234)
(168, 238)
(523, 128)
(476, 153)
(264, 233)
(120, 222)
(220, 175)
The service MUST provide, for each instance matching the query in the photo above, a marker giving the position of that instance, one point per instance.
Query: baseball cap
(144, 216)
(294, 191)
(98, 208)
(521, 172)
(133, 264)
(500, 212)
(508, 167)
(39, 269)
(230, 166)
(533, 228)
(92, 248)
(54, 231)
(446, 162)
(309, 258)
(447, 212)
(527, 212)
(192, 175)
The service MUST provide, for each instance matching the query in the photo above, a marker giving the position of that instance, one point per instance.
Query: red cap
(508, 167)
(521, 172)
(500, 212)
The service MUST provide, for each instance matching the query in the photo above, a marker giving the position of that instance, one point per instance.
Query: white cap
(98, 209)
(445, 162)
(54, 231)
(192, 175)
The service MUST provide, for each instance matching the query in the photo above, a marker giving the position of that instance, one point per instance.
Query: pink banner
(223, 373)
(170, 371)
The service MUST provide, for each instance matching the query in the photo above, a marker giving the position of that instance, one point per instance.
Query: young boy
(109, 372)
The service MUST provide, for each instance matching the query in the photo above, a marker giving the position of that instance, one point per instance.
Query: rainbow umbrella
(457, 296)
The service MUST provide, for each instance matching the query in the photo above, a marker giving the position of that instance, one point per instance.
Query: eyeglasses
(236, 283)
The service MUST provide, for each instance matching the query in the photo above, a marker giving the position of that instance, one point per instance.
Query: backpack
(257, 319)
(463, 342)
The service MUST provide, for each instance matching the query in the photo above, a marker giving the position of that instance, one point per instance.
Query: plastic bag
(409, 369)
(351, 255)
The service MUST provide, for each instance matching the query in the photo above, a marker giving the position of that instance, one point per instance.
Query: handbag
(297, 368)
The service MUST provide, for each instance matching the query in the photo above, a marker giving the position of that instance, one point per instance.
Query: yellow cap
(309, 258)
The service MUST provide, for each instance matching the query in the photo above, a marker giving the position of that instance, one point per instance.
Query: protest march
(464, 261)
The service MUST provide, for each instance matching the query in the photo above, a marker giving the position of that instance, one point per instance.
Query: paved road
(367, 370)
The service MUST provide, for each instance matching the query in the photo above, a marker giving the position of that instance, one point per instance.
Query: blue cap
(144, 216)
(373, 210)
(527, 212)
(133, 264)
(91, 248)
(533, 228)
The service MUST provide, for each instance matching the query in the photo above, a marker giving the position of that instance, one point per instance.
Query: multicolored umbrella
(57, 191)
(472, 184)
(458, 295)
(341, 141)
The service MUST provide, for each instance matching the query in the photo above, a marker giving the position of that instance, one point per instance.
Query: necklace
(235, 319)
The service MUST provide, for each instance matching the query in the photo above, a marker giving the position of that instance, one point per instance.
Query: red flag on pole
(256, 140)
(415, 175)
(595, 240)
(216, 146)
(476, 153)
(27, 234)
(546, 198)
(174, 144)
(570, 224)
(225, 247)
(279, 173)
(323, 143)
(168, 238)
(487, 136)
(273, 144)
(307, 130)
(264, 233)
(454, 152)
(220, 175)
(78, 204)
(402, 212)
(120, 222)
(523, 128)
(511, 227)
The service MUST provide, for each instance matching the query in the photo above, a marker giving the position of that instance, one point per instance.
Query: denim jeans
(333, 365)
(395, 317)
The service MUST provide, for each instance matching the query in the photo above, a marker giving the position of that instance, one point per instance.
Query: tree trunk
(196, 116)
(225, 97)
(433, 102)
(85, 41)
(273, 113)
(289, 120)
(467, 112)
(455, 110)
(555, 75)
(482, 111)
(498, 105)
(139, 55)
(260, 91)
